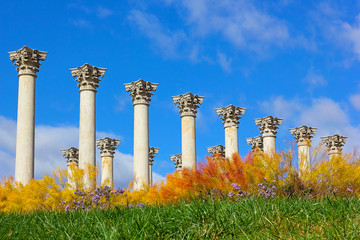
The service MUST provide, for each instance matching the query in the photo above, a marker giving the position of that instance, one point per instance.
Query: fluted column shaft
(88, 78)
(141, 96)
(269, 144)
(87, 129)
(188, 142)
(72, 156)
(28, 62)
(188, 103)
(141, 144)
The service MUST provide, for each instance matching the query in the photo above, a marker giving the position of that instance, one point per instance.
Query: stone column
(188, 103)
(141, 96)
(256, 143)
(218, 149)
(268, 126)
(88, 78)
(177, 159)
(334, 145)
(107, 148)
(152, 152)
(27, 61)
(72, 156)
(230, 116)
(302, 136)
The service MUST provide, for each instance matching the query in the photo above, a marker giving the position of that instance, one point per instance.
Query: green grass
(250, 219)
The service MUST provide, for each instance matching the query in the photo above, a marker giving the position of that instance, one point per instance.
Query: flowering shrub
(257, 175)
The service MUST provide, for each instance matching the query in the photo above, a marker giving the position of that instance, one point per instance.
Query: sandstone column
(256, 143)
(141, 96)
(152, 152)
(268, 126)
(177, 159)
(88, 78)
(218, 149)
(188, 103)
(72, 156)
(230, 116)
(302, 136)
(107, 148)
(27, 61)
(334, 145)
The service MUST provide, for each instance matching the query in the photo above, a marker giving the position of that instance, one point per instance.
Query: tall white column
(256, 143)
(230, 116)
(107, 148)
(88, 78)
(268, 126)
(334, 145)
(152, 152)
(28, 62)
(218, 149)
(188, 103)
(141, 96)
(303, 137)
(177, 160)
(72, 156)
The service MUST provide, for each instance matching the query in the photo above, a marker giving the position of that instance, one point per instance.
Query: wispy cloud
(49, 141)
(225, 62)
(103, 12)
(355, 101)
(313, 80)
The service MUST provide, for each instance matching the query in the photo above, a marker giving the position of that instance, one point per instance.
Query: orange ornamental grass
(258, 175)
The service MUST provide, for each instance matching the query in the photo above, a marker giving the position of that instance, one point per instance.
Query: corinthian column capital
(141, 91)
(220, 149)
(27, 60)
(230, 115)
(152, 152)
(71, 154)
(188, 103)
(256, 142)
(303, 135)
(268, 125)
(107, 146)
(177, 159)
(88, 76)
(334, 143)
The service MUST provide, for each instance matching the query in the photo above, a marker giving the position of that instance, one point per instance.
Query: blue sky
(295, 61)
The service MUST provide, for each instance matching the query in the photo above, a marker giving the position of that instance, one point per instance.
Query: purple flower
(350, 190)
(230, 194)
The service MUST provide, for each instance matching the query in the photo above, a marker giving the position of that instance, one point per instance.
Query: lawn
(257, 218)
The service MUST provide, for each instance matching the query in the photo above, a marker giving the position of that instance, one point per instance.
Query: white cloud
(225, 62)
(323, 113)
(164, 40)
(355, 101)
(49, 141)
(103, 12)
(314, 80)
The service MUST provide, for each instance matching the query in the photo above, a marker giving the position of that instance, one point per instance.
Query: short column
(268, 126)
(188, 103)
(72, 156)
(218, 149)
(152, 153)
(334, 145)
(27, 61)
(230, 116)
(141, 97)
(303, 137)
(177, 160)
(107, 148)
(88, 78)
(256, 143)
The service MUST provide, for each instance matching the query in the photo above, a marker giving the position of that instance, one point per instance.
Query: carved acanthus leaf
(256, 143)
(303, 134)
(230, 115)
(71, 154)
(88, 76)
(141, 91)
(334, 143)
(188, 103)
(219, 149)
(177, 159)
(268, 125)
(152, 152)
(107, 146)
(27, 59)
